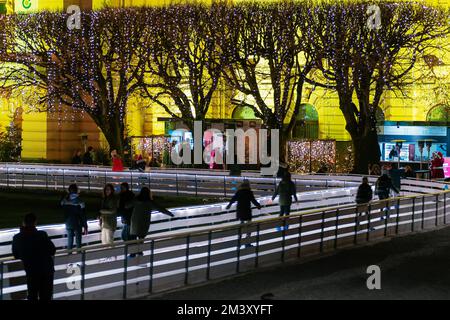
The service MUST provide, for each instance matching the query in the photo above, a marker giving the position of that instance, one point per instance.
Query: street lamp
(84, 139)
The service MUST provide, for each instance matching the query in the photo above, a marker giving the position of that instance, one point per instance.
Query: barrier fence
(172, 261)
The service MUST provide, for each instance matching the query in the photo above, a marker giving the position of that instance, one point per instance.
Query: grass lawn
(16, 203)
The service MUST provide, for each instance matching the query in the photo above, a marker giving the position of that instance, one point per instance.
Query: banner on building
(25, 6)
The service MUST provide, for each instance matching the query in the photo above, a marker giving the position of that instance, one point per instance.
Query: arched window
(439, 113)
(307, 123)
(379, 115)
(243, 113)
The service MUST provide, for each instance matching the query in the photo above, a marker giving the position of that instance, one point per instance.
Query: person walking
(108, 215)
(143, 207)
(36, 251)
(124, 209)
(74, 216)
(285, 190)
(383, 188)
(87, 157)
(244, 198)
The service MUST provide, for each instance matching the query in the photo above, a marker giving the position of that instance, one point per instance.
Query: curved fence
(173, 260)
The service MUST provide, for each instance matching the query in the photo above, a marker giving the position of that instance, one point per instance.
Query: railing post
(336, 229)
(283, 241)
(369, 209)
(176, 179)
(105, 179)
(322, 226)
(125, 274)
(445, 208)
(131, 179)
(208, 261)
(23, 178)
(300, 226)
(398, 216)
(46, 179)
(64, 179)
(1, 280)
(186, 275)
(423, 212)
(257, 245)
(89, 180)
(196, 187)
(150, 180)
(83, 272)
(355, 236)
(7, 177)
(437, 210)
(239, 250)
(413, 213)
(224, 186)
(152, 251)
(386, 217)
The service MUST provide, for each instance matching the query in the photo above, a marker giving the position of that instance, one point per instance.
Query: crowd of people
(89, 158)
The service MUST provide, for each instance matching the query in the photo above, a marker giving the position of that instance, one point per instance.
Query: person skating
(108, 215)
(143, 207)
(285, 190)
(124, 210)
(244, 198)
(364, 194)
(36, 251)
(74, 216)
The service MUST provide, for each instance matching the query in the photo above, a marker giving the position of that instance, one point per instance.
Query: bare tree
(368, 61)
(94, 70)
(267, 62)
(185, 65)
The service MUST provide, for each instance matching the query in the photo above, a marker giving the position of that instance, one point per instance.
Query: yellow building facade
(55, 136)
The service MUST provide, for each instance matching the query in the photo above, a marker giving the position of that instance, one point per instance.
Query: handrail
(193, 256)
(231, 227)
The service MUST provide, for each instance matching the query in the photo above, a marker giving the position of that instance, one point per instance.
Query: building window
(307, 123)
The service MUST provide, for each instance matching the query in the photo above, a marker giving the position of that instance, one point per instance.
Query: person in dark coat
(76, 159)
(364, 194)
(244, 198)
(124, 210)
(143, 206)
(36, 251)
(74, 216)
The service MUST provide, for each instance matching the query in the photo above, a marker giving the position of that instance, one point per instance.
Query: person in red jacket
(117, 164)
(437, 166)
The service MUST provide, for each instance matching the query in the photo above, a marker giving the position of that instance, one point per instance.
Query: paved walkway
(412, 267)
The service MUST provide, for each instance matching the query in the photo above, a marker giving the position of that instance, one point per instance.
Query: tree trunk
(366, 152)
